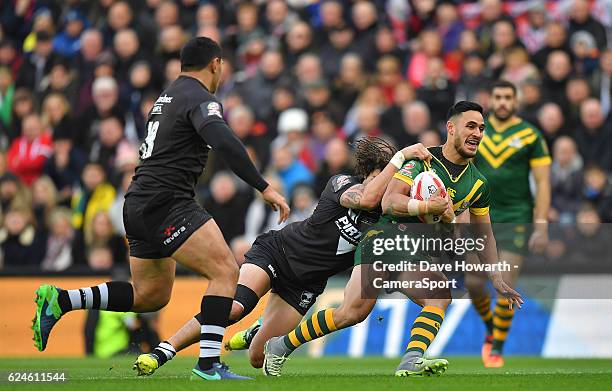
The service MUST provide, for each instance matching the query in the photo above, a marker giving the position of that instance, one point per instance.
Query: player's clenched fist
(416, 151)
(276, 202)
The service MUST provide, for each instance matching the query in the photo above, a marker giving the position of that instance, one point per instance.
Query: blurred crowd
(302, 80)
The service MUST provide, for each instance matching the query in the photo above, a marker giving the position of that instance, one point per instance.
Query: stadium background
(303, 79)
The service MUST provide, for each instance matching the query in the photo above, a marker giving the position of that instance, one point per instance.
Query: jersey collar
(501, 127)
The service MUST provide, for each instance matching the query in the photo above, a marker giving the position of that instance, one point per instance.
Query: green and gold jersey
(467, 188)
(505, 156)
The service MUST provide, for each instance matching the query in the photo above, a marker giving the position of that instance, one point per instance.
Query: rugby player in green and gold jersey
(511, 150)
(468, 190)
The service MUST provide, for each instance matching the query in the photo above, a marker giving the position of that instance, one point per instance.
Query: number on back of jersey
(146, 149)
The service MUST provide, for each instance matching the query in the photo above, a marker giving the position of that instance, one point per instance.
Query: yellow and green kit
(467, 187)
(505, 156)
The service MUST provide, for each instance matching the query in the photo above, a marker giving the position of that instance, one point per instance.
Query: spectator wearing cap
(68, 42)
(29, 152)
(585, 53)
(593, 136)
(65, 164)
(292, 132)
(581, 20)
(42, 22)
(37, 64)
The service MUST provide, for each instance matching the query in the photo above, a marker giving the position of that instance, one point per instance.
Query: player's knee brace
(247, 298)
(244, 296)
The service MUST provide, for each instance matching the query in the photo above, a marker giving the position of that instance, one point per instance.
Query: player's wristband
(413, 207)
(541, 221)
(397, 160)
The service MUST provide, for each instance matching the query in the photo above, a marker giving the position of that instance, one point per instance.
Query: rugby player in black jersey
(296, 261)
(164, 223)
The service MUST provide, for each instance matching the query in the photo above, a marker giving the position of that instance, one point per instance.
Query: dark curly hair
(371, 153)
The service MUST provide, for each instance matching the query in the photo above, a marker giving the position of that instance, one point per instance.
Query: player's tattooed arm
(352, 197)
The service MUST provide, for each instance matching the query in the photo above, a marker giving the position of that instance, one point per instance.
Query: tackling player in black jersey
(164, 223)
(296, 262)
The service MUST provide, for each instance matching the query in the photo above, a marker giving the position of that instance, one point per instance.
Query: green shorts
(512, 237)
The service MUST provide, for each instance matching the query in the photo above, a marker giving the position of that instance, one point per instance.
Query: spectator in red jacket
(29, 152)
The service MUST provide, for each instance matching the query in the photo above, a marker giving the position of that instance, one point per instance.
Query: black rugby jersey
(324, 244)
(186, 122)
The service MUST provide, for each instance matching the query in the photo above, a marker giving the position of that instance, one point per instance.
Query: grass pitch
(345, 374)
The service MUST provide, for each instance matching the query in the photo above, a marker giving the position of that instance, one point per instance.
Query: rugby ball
(424, 186)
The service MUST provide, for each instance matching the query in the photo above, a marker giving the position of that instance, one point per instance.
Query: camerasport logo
(172, 233)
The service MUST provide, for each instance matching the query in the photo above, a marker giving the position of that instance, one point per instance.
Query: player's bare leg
(251, 276)
(356, 306)
(425, 327)
(279, 318)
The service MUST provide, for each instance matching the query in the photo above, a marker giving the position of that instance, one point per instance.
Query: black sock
(117, 296)
(215, 310)
(164, 352)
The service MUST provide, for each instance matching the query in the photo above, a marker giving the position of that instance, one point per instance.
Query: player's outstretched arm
(482, 228)
(223, 140)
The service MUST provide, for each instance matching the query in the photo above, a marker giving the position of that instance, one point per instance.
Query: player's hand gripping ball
(425, 186)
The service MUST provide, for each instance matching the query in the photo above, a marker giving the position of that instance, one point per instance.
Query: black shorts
(156, 226)
(267, 253)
